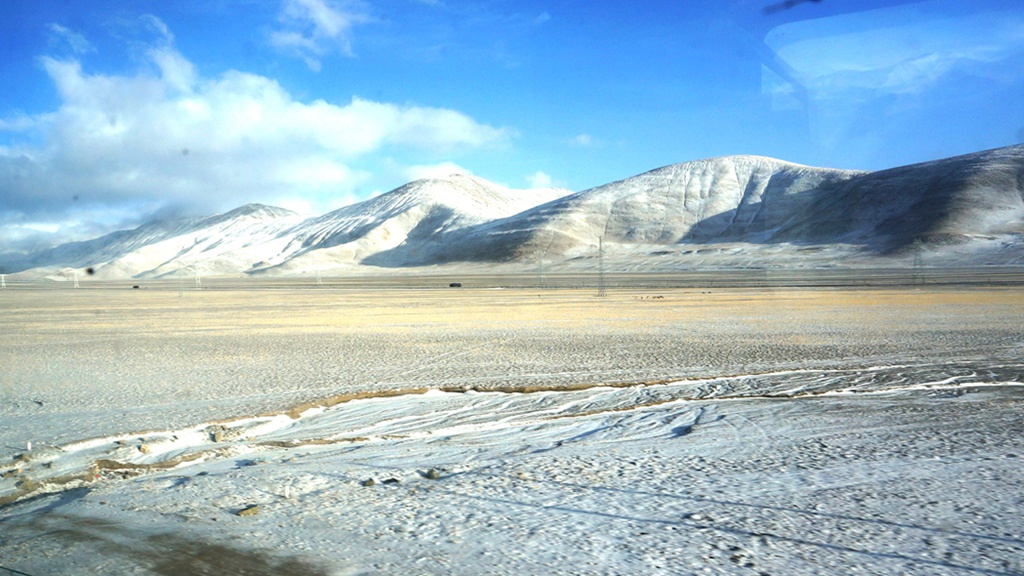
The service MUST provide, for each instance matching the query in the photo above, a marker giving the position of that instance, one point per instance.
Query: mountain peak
(455, 176)
(751, 161)
(259, 210)
(973, 202)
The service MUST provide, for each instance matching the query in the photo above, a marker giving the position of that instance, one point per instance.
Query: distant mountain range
(737, 210)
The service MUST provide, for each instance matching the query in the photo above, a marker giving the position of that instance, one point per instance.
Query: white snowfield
(831, 432)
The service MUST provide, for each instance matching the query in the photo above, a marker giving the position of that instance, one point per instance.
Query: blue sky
(113, 112)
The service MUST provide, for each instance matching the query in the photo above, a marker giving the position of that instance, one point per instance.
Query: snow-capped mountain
(945, 202)
(975, 200)
(701, 201)
(757, 200)
(407, 226)
(210, 245)
(260, 239)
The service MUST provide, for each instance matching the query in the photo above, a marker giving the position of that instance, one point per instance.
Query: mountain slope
(159, 248)
(222, 244)
(765, 205)
(698, 201)
(408, 225)
(950, 200)
(760, 200)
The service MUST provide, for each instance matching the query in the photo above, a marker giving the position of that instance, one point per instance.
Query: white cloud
(77, 42)
(540, 180)
(582, 140)
(171, 138)
(176, 72)
(18, 123)
(298, 205)
(157, 25)
(313, 28)
(20, 234)
(433, 170)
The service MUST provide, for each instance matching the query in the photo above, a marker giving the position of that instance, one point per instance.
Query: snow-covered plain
(675, 431)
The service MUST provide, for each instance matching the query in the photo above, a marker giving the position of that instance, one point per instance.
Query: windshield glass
(361, 286)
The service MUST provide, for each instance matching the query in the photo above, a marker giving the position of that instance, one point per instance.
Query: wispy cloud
(75, 41)
(18, 123)
(583, 141)
(540, 179)
(156, 25)
(440, 170)
(311, 29)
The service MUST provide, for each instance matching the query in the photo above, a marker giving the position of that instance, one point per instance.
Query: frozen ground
(775, 432)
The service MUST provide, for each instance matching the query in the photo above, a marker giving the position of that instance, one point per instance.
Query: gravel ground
(794, 431)
(162, 359)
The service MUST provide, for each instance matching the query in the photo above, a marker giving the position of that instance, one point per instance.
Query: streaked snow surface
(816, 432)
(640, 479)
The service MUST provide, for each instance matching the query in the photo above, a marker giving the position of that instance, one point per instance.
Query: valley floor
(671, 430)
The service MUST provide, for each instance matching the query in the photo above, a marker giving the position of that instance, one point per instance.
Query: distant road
(695, 279)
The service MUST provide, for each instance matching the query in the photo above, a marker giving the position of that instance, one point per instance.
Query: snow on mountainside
(959, 207)
(218, 245)
(259, 239)
(663, 206)
(763, 201)
(952, 201)
(208, 245)
(404, 226)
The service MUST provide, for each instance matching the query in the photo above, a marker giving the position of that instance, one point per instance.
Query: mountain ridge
(761, 203)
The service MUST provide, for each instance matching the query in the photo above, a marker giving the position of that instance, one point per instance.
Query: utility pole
(319, 281)
(540, 271)
(600, 268)
(918, 276)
